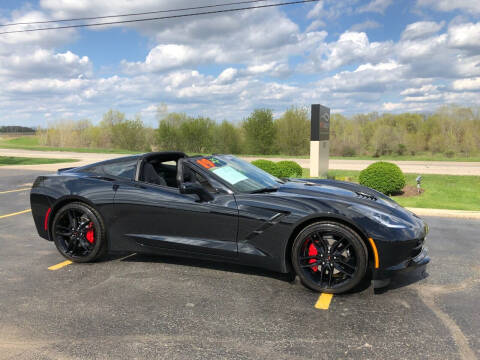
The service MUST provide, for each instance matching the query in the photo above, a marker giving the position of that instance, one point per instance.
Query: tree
(168, 133)
(130, 135)
(259, 132)
(110, 118)
(385, 141)
(122, 133)
(197, 134)
(227, 138)
(293, 132)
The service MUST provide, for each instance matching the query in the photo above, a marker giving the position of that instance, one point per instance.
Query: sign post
(319, 140)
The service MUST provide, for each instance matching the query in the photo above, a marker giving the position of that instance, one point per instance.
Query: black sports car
(330, 233)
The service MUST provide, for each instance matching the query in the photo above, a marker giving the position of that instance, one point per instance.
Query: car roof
(164, 155)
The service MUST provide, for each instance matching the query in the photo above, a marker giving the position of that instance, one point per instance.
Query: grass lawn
(31, 143)
(441, 191)
(10, 160)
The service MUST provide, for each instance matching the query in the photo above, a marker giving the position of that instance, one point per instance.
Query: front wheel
(79, 233)
(329, 257)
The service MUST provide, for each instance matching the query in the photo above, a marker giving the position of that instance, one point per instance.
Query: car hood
(335, 188)
(347, 192)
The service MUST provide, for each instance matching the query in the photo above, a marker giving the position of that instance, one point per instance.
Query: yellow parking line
(323, 301)
(60, 265)
(16, 190)
(13, 214)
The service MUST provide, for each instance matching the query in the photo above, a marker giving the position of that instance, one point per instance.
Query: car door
(152, 217)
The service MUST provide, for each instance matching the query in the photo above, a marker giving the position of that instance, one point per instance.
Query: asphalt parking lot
(137, 306)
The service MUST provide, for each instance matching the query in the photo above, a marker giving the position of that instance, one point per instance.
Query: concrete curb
(461, 214)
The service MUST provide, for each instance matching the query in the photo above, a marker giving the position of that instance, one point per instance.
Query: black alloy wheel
(329, 257)
(78, 233)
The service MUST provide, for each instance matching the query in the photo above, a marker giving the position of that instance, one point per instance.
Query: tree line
(451, 130)
(16, 129)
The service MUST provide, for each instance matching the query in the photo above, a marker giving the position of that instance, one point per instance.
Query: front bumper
(381, 277)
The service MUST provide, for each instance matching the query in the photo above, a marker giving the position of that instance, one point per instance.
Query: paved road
(159, 307)
(416, 167)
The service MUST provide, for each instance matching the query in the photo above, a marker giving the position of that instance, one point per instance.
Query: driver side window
(190, 175)
(159, 172)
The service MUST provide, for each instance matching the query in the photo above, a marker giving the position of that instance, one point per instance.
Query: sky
(352, 56)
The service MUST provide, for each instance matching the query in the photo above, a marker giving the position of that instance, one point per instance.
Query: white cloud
(421, 29)
(45, 63)
(419, 48)
(467, 84)
(316, 24)
(441, 56)
(469, 6)
(375, 78)
(351, 47)
(425, 89)
(465, 36)
(45, 87)
(24, 42)
(378, 6)
(171, 56)
(389, 106)
(327, 11)
(366, 78)
(72, 8)
(272, 48)
(430, 97)
(273, 68)
(316, 11)
(227, 76)
(368, 24)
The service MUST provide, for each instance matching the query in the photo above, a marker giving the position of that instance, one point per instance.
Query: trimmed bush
(266, 165)
(287, 169)
(384, 177)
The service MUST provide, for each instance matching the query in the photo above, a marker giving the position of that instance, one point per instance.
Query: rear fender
(45, 207)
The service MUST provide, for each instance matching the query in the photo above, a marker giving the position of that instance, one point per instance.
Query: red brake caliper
(90, 233)
(312, 251)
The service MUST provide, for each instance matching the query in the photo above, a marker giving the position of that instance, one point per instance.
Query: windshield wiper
(264, 190)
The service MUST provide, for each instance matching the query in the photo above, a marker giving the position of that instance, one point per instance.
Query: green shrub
(401, 149)
(266, 165)
(384, 177)
(287, 169)
(449, 154)
(348, 151)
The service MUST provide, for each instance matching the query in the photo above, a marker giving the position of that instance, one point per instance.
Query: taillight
(47, 214)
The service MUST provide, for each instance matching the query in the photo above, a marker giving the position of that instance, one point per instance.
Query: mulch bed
(410, 190)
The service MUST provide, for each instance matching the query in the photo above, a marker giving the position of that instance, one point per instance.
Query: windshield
(239, 174)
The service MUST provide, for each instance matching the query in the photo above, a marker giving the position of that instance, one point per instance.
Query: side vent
(363, 195)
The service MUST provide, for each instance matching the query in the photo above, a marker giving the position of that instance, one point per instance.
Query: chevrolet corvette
(331, 234)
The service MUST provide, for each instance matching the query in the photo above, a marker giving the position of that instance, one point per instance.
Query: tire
(329, 257)
(87, 242)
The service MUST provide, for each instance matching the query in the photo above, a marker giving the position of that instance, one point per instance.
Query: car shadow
(398, 281)
(206, 264)
(404, 279)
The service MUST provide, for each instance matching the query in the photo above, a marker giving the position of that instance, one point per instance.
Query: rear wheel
(79, 233)
(329, 257)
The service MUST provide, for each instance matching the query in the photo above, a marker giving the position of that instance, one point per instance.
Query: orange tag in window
(207, 164)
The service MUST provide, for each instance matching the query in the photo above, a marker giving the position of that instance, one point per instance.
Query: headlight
(388, 220)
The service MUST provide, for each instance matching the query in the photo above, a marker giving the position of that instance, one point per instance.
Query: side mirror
(196, 189)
